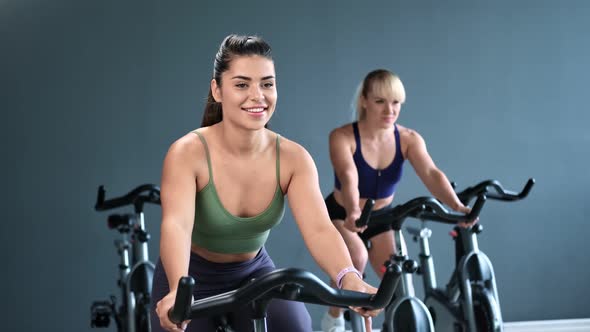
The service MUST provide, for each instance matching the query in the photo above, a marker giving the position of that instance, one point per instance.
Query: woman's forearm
(329, 250)
(438, 184)
(350, 192)
(175, 245)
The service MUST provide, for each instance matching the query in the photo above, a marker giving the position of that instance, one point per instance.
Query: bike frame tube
(426, 260)
(140, 249)
(357, 322)
(130, 311)
(259, 324)
(406, 285)
(124, 264)
(123, 248)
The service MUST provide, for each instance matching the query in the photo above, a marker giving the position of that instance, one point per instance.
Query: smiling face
(247, 91)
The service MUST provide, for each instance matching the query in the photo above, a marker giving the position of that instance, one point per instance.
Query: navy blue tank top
(376, 183)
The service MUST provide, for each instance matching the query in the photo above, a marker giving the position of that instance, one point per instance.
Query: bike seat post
(123, 251)
(406, 286)
(400, 244)
(426, 262)
(140, 240)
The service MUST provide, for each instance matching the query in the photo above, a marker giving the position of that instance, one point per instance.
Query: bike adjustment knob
(410, 266)
(143, 236)
(477, 228)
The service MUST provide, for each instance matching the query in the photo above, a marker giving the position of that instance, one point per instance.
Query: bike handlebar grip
(182, 304)
(527, 188)
(387, 287)
(481, 199)
(99, 197)
(366, 213)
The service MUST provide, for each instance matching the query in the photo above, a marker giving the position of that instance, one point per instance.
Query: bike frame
(473, 278)
(405, 298)
(136, 279)
(135, 269)
(474, 269)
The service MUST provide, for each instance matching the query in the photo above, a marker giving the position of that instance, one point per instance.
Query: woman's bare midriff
(217, 257)
(379, 203)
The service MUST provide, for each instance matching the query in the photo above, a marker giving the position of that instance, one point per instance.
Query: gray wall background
(94, 92)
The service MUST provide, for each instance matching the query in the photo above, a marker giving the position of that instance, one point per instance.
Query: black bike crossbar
(426, 208)
(146, 193)
(499, 193)
(289, 284)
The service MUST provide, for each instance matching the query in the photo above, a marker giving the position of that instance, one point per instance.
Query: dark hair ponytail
(231, 47)
(212, 114)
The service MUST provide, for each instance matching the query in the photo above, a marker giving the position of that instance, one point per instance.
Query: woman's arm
(178, 190)
(343, 163)
(177, 194)
(433, 178)
(309, 210)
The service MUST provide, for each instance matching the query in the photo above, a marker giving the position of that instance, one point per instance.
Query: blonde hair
(381, 82)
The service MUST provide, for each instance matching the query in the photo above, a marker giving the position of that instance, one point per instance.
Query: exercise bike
(135, 270)
(287, 284)
(407, 312)
(470, 300)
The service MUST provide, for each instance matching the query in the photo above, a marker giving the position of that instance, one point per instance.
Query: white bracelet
(343, 272)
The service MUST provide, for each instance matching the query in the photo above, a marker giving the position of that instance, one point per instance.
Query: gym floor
(561, 325)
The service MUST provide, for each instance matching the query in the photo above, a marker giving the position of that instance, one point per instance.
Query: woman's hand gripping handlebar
(363, 220)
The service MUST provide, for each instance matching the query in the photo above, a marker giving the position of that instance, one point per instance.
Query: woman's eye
(241, 85)
(268, 85)
(379, 101)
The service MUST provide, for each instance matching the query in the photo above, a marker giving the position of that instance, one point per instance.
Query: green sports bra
(217, 230)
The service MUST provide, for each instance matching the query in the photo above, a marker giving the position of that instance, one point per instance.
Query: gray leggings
(215, 278)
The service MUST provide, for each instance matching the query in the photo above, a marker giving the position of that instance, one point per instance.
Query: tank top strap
(357, 135)
(398, 143)
(278, 162)
(202, 138)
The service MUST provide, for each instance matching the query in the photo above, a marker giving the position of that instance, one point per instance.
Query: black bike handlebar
(427, 208)
(146, 193)
(289, 284)
(500, 193)
(366, 213)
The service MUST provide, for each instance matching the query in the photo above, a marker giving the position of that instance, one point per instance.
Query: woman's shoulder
(344, 129)
(294, 155)
(407, 133)
(189, 145)
(342, 133)
(290, 148)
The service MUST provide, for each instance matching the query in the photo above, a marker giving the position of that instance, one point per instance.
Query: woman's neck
(374, 133)
(241, 141)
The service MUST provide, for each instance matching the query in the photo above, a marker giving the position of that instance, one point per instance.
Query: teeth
(254, 110)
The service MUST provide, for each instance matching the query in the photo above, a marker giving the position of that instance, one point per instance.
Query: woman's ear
(363, 102)
(215, 91)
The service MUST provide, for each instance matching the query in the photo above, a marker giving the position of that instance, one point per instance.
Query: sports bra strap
(357, 135)
(206, 152)
(278, 157)
(278, 162)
